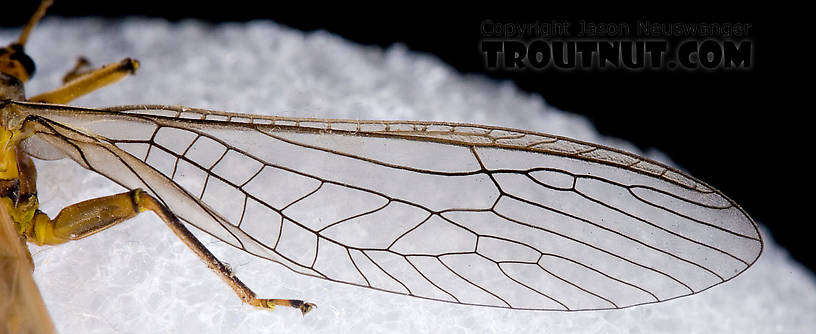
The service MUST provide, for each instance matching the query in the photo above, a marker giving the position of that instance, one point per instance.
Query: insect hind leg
(83, 219)
(86, 218)
(148, 202)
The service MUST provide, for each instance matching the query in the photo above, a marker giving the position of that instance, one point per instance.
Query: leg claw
(306, 307)
(269, 304)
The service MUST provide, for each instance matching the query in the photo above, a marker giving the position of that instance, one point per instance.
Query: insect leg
(82, 67)
(86, 218)
(89, 82)
(147, 202)
(83, 219)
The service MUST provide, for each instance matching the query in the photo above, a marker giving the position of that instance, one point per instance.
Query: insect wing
(453, 212)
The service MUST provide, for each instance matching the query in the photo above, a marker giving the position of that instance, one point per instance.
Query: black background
(727, 128)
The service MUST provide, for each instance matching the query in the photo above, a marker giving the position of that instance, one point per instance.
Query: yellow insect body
(21, 308)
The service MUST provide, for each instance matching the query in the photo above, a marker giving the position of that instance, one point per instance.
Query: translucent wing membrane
(453, 212)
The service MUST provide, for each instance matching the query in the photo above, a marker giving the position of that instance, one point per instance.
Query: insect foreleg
(84, 83)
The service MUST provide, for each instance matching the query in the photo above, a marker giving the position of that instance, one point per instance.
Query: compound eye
(14, 62)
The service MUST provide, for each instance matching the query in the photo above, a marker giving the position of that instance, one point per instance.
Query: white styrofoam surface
(138, 278)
